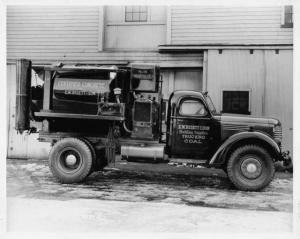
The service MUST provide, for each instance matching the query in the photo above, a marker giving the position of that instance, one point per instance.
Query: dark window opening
(136, 14)
(236, 102)
(288, 17)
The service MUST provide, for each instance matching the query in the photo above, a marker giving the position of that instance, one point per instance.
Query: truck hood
(251, 120)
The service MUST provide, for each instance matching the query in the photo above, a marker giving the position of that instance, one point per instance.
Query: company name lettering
(193, 127)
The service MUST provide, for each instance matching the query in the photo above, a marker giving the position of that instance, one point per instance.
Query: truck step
(187, 161)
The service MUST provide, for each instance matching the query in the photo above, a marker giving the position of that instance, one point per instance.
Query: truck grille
(142, 112)
(278, 133)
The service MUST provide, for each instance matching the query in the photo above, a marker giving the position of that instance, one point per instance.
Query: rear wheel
(70, 160)
(250, 168)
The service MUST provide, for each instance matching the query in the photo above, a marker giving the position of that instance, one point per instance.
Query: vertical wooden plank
(101, 27)
(171, 81)
(47, 91)
(263, 98)
(190, 79)
(11, 71)
(204, 77)
(47, 97)
(169, 26)
(165, 85)
(279, 92)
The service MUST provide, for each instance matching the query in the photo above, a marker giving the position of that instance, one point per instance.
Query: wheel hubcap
(251, 168)
(70, 160)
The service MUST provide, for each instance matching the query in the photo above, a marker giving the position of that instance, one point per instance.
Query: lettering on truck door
(193, 129)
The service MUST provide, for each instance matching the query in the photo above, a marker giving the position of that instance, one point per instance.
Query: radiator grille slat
(142, 112)
(278, 133)
(236, 127)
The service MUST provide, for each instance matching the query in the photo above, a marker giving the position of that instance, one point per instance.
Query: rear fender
(218, 158)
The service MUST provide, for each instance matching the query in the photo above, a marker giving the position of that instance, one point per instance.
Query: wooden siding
(267, 75)
(143, 36)
(71, 35)
(49, 31)
(188, 79)
(240, 25)
(279, 91)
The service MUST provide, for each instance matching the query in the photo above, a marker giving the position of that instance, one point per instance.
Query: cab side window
(192, 108)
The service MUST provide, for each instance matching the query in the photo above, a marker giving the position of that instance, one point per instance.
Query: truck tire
(70, 160)
(250, 168)
(94, 156)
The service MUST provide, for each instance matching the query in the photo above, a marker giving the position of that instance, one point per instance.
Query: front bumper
(286, 158)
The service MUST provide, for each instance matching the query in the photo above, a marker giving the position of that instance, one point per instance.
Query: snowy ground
(111, 216)
(143, 198)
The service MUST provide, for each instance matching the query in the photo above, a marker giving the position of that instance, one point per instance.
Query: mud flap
(110, 147)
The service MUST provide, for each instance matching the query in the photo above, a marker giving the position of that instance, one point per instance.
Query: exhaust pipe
(23, 98)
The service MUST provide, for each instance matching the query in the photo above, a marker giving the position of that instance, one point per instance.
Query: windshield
(210, 104)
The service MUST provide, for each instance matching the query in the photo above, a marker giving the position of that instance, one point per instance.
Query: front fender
(217, 157)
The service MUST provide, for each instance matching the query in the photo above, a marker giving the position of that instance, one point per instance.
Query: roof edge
(180, 48)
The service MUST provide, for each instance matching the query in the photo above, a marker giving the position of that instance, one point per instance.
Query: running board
(188, 161)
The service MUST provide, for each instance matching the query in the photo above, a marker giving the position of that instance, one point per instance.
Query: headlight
(277, 132)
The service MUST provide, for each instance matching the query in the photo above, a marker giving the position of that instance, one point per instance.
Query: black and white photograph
(150, 117)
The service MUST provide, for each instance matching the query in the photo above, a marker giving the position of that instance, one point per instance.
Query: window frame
(249, 100)
(191, 115)
(136, 22)
(285, 24)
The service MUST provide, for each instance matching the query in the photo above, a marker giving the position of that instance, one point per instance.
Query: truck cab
(192, 129)
(244, 147)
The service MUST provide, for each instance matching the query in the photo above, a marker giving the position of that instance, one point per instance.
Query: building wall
(48, 33)
(143, 36)
(85, 35)
(220, 25)
(181, 79)
(20, 145)
(268, 76)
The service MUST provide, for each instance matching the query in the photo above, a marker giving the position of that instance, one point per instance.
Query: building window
(136, 14)
(287, 17)
(236, 102)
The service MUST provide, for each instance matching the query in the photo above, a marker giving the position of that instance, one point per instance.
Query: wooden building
(243, 56)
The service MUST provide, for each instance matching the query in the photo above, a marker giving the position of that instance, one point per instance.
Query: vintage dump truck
(90, 114)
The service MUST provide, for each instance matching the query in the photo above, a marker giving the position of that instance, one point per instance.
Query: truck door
(194, 129)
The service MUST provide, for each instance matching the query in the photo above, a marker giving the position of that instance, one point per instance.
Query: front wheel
(70, 160)
(250, 168)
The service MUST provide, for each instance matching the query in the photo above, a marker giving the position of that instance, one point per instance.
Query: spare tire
(70, 160)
